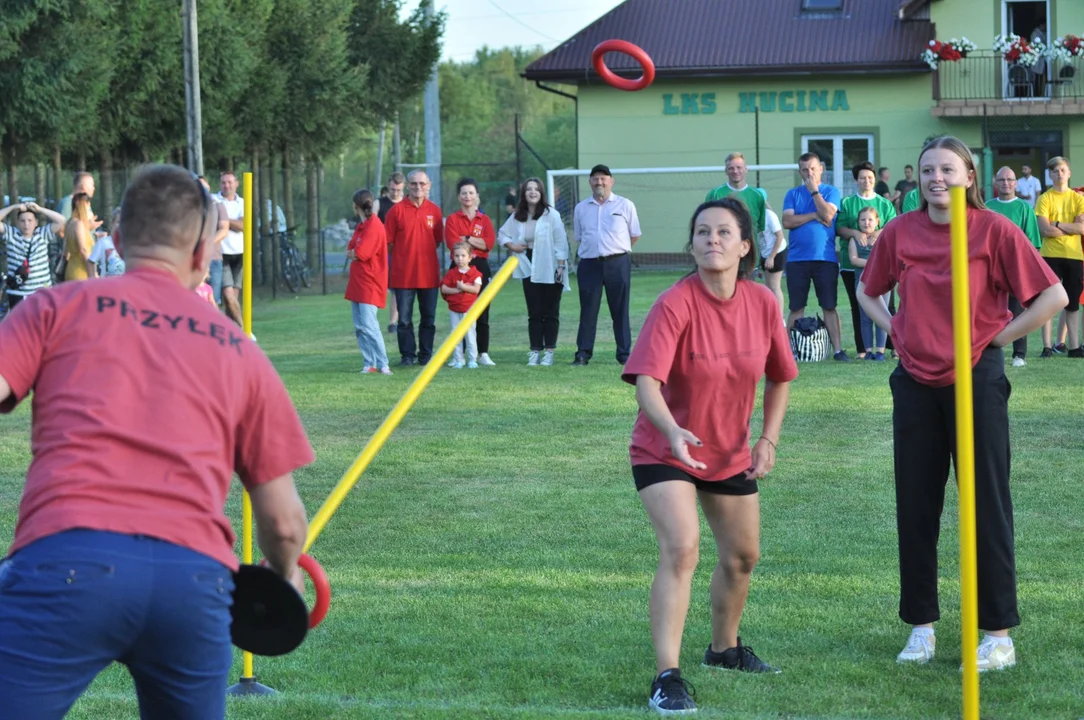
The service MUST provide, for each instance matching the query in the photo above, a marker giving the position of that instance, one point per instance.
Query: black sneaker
(1077, 353)
(579, 361)
(741, 658)
(671, 694)
(1046, 353)
(842, 356)
(1060, 348)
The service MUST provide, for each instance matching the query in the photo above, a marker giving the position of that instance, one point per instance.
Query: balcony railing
(984, 75)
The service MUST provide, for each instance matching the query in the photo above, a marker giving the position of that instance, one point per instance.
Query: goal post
(664, 198)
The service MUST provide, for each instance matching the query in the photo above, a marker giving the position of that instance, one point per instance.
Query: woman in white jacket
(536, 235)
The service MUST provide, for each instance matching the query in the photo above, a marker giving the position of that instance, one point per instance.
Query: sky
(507, 23)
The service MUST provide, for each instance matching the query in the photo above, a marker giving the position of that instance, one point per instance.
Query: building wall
(697, 123)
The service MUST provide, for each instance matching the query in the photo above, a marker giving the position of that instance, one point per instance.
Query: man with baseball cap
(606, 227)
(122, 549)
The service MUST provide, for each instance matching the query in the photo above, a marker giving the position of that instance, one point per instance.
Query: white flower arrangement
(1066, 48)
(1019, 51)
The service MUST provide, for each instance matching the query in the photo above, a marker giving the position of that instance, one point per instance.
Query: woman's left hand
(763, 459)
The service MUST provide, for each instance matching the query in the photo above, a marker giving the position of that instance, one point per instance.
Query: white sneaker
(1018, 362)
(995, 655)
(919, 649)
(547, 358)
(532, 358)
(484, 359)
(458, 364)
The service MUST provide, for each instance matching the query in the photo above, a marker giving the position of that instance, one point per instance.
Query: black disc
(269, 615)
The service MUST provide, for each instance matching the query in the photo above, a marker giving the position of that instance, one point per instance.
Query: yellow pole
(965, 453)
(246, 321)
(353, 474)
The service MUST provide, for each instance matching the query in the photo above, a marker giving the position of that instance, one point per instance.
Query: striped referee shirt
(38, 248)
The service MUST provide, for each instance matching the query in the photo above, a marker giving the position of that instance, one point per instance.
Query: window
(815, 5)
(840, 153)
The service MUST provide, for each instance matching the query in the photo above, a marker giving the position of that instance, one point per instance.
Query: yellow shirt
(76, 268)
(1061, 207)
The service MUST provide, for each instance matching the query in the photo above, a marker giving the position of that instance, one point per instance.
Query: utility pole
(193, 114)
(432, 124)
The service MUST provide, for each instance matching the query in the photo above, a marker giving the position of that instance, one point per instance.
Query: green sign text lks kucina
(784, 101)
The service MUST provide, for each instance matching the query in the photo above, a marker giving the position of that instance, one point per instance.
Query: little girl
(205, 291)
(868, 222)
(460, 287)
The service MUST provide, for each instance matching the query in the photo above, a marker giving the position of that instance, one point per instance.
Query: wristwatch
(815, 192)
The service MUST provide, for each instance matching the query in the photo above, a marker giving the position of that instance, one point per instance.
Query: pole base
(249, 686)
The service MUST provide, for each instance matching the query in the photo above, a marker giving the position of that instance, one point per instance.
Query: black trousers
(850, 284)
(427, 328)
(1019, 346)
(614, 275)
(543, 313)
(924, 436)
(481, 328)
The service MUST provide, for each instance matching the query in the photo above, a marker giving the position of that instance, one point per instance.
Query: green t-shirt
(911, 201)
(748, 195)
(1022, 215)
(847, 217)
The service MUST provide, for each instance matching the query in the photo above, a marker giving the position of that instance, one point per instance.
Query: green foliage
(55, 81)
(399, 54)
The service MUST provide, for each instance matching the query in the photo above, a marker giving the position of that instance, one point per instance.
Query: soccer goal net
(664, 199)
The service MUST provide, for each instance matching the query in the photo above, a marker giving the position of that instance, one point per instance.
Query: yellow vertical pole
(965, 453)
(246, 320)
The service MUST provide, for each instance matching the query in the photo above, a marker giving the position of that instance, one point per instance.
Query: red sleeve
(879, 275)
(270, 438)
(23, 334)
(780, 366)
(438, 225)
(355, 237)
(1020, 268)
(391, 224)
(447, 279)
(451, 237)
(373, 240)
(656, 345)
(489, 235)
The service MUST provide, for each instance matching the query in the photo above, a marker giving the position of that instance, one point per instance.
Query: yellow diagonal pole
(246, 322)
(353, 474)
(965, 453)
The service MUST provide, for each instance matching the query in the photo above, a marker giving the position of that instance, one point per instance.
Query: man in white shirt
(233, 246)
(606, 227)
(1028, 187)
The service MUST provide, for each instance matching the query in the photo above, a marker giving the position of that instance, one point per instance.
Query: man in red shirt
(415, 228)
(122, 549)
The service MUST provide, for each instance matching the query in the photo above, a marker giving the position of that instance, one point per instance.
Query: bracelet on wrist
(762, 437)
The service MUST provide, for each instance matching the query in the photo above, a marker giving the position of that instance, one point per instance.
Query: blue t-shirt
(812, 241)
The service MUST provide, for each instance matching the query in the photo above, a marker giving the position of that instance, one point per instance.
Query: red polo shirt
(414, 233)
(146, 401)
(368, 282)
(459, 226)
(916, 253)
(461, 302)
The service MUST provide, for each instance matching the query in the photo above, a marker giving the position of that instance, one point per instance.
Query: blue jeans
(868, 328)
(427, 328)
(216, 280)
(370, 339)
(74, 602)
(613, 275)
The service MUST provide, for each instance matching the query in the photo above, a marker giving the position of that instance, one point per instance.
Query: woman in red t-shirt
(702, 350)
(367, 287)
(914, 252)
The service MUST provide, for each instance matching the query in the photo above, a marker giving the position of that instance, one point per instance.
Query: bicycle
(295, 270)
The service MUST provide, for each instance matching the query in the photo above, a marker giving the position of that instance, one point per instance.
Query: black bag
(809, 340)
(17, 278)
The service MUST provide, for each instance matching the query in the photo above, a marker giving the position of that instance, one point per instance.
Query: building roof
(720, 38)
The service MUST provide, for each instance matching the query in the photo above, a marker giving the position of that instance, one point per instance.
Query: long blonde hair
(956, 145)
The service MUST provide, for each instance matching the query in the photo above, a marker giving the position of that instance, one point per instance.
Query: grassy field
(494, 561)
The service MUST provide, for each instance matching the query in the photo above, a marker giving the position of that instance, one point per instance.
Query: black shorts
(1071, 274)
(779, 265)
(647, 475)
(825, 278)
(233, 270)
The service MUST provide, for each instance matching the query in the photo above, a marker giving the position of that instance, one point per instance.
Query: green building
(843, 78)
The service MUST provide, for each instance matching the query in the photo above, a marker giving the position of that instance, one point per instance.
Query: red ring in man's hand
(633, 51)
(320, 584)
